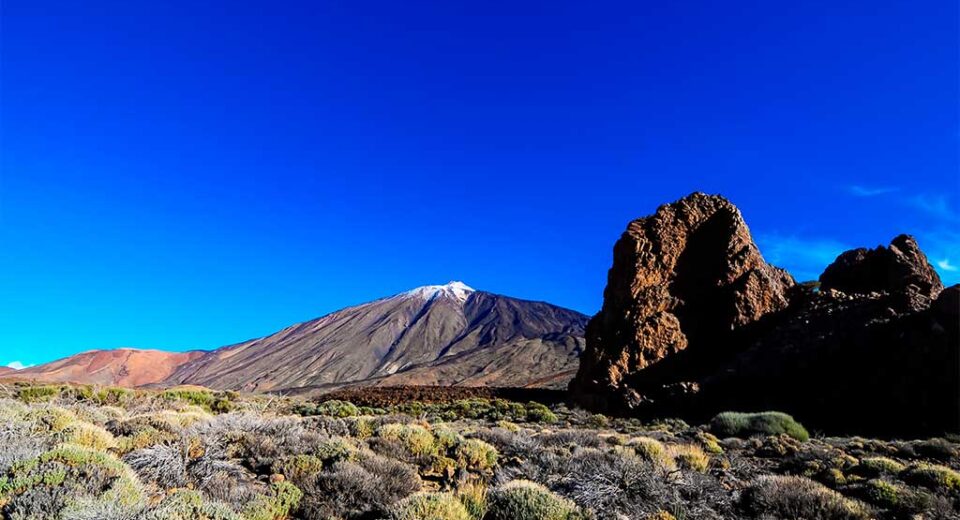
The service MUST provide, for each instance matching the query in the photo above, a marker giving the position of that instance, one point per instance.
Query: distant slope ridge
(439, 334)
(449, 334)
(124, 367)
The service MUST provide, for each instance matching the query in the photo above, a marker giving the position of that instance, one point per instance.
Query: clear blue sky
(190, 174)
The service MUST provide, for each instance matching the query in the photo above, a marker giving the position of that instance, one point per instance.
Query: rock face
(684, 278)
(874, 350)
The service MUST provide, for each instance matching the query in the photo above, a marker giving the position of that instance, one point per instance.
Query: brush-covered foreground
(77, 453)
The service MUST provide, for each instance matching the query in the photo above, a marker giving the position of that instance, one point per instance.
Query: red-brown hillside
(123, 367)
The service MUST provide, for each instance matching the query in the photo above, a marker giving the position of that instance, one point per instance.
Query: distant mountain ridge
(123, 367)
(441, 334)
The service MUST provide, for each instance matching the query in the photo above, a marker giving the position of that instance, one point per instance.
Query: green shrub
(689, 456)
(297, 468)
(739, 424)
(88, 435)
(660, 515)
(112, 395)
(36, 394)
(777, 496)
(202, 398)
(538, 413)
(709, 443)
(476, 454)
(335, 449)
(362, 426)
(475, 408)
(336, 408)
(933, 476)
(936, 449)
(598, 421)
(507, 425)
(651, 450)
(50, 419)
(430, 506)
(473, 496)
(446, 438)
(183, 504)
(882, 493)
(283, 498)
(873, 466)
(222, 405)
(84, 471)
(522, 499)
(417, 439)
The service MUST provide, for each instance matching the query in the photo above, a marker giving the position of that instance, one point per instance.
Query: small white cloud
(869, 191)
(936, 205)
(946, 265)
(16, 365)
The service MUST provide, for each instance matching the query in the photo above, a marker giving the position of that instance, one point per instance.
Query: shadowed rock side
(875, 350)
(123, 367)
(434, 336)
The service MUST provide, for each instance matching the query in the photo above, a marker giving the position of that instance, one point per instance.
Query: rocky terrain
(434, 335)
(695, 321)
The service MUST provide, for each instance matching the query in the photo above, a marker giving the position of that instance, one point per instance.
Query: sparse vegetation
(78, 453)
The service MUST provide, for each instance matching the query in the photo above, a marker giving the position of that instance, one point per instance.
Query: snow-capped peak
(457, 290)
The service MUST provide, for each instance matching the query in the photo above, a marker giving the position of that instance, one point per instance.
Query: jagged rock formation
(684, 278)
(874, 350)
(883, 269)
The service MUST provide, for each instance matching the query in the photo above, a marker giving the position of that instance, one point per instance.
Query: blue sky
(193, 174)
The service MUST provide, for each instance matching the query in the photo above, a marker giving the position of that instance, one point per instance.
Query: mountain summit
(456, 290)
(446, 334)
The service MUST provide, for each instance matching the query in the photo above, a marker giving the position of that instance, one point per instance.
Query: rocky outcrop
(873, 350)
(900, 267)
(684, 278)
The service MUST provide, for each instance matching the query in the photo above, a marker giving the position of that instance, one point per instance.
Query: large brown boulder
(683, 278)
(694, 322)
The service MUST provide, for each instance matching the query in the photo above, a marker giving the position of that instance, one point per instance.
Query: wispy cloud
(16, 365)
(870, 191)
(935, 205)
(942, 246)
(804, 257)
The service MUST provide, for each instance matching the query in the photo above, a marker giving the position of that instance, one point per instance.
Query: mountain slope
(123, 367)
(448, 334)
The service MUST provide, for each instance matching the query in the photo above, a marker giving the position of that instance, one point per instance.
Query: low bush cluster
(738, 424)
